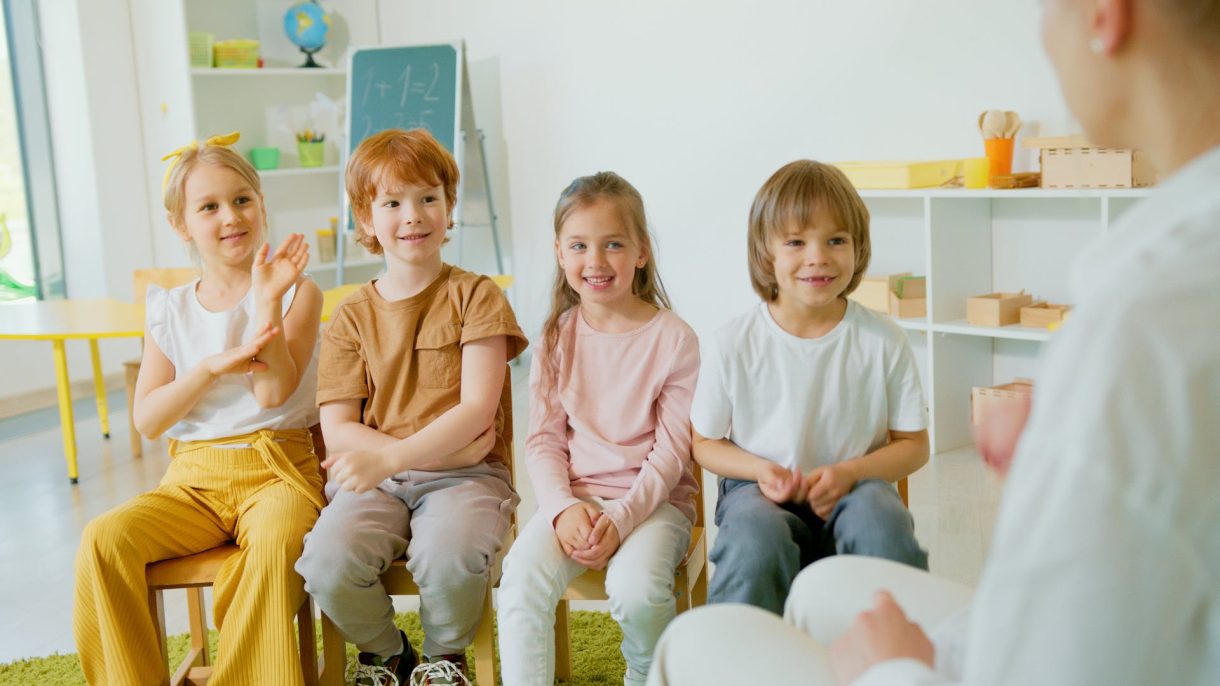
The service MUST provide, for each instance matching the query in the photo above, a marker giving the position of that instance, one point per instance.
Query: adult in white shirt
(1104, 567)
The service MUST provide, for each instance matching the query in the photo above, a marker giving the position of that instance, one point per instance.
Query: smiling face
(813, 264)
(598, 255)
(223, 217)
(409, 222)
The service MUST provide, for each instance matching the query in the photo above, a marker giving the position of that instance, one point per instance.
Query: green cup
(311, 154)
(265, 158)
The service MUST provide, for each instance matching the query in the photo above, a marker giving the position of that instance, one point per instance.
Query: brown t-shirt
(404, 358)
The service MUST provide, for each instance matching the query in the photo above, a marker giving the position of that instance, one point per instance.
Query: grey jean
(761, 546)
(451, 524)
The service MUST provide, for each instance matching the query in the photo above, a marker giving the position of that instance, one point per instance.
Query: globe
(306, 24)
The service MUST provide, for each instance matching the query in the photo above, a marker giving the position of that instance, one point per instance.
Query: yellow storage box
(865, 175)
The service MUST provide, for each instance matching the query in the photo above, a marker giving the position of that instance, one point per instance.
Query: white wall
(696, 103)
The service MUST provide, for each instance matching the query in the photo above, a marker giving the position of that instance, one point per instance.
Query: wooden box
(987, 399)
(908, 298)
(1043, 314)
(874, 291)
(904, 308)
(996, 309)
(1072, 162)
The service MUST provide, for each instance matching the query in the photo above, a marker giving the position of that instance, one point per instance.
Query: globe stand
(309, 61)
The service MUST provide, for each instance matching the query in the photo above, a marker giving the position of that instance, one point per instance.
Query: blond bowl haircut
(174, 195)
(790, 199)
(401, 157)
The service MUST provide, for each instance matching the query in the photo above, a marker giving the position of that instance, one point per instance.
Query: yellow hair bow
(225, 140)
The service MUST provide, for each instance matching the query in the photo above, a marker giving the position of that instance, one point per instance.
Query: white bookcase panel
(975, 242)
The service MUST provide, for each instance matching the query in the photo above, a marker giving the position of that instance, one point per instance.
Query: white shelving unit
(971, 242)
(179, 102)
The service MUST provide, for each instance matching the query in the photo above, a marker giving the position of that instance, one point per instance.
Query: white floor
(953, 500)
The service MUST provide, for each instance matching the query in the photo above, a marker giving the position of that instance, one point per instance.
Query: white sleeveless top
(187, 333)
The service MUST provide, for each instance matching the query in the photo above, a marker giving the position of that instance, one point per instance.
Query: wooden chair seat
(194, 573)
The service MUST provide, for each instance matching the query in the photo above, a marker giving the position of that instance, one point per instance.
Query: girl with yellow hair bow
(228, 375)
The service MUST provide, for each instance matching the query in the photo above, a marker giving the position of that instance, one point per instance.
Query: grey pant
(451, 524)
(761, 547)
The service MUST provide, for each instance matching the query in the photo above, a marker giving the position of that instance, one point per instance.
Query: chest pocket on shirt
(439, 356)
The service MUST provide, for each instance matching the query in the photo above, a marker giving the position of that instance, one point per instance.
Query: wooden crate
(874, 291)
(1072, 162)
(1043, 314)
(996, 309)
(989, 399)
(904, 308)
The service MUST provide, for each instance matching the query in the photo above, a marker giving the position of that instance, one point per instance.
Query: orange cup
(999, 157)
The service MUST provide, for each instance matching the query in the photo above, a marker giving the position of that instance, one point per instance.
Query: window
(31, 264)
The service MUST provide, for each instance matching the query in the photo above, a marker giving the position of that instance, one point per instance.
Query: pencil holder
(999, 157)
(311, 153)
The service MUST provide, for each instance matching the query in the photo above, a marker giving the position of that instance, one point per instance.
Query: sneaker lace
(443, 671)
(373, 675)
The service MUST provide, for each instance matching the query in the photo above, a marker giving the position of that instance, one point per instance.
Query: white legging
(737, 644)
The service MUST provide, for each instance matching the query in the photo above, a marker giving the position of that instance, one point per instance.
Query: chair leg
(486, 666)
(681, 590)
(563, 643)
(698, 593)
(156, 608)
(334, 654)
(308, 643)
(132, 372)
(902, 492)
(198, 622)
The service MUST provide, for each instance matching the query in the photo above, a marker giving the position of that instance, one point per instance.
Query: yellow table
(60, 320)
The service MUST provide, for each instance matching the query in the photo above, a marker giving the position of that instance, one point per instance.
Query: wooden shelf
(266, 71)
(350, 264)
(1014, 332)
(1016, 193)
(298, 171)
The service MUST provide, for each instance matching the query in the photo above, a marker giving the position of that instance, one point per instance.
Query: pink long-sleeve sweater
(615, 422)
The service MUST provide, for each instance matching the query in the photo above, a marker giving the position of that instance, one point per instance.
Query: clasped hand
(587, 535)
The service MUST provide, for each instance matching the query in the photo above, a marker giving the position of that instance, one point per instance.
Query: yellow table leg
(99, 388)
(64, 387)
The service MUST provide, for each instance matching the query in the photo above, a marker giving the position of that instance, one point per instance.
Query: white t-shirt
(808, 402)
(187, 333)
(1105, 566)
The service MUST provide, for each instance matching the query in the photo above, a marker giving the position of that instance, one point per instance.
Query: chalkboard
(404, 88)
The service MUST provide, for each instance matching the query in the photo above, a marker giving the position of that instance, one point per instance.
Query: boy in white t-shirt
(809, 405)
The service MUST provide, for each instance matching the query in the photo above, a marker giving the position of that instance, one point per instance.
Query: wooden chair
(690, 585)
(397, 581)
(690, 581)
(194, 573)
(141, 278)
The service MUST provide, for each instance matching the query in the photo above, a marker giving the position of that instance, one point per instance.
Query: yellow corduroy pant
(264, 497)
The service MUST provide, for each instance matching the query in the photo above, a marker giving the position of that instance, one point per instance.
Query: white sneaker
(369, 675)
(441, 673)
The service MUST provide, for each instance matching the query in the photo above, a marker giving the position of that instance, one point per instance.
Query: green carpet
(595, 654)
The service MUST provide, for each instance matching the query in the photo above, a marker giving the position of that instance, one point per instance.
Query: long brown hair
(645, 285)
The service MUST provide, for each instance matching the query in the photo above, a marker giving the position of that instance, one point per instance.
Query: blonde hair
(407, 157)
(790, 199)
(1199, 17)
(645, 285)
(174, 192)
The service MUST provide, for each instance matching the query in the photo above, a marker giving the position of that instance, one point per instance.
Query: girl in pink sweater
(609, 444)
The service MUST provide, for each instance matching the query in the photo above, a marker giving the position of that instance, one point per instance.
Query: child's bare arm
(447, 442)
(344, 430)
(721, 456)
(483, 370)
(906, 452)
(163, 397)
(288, 356)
